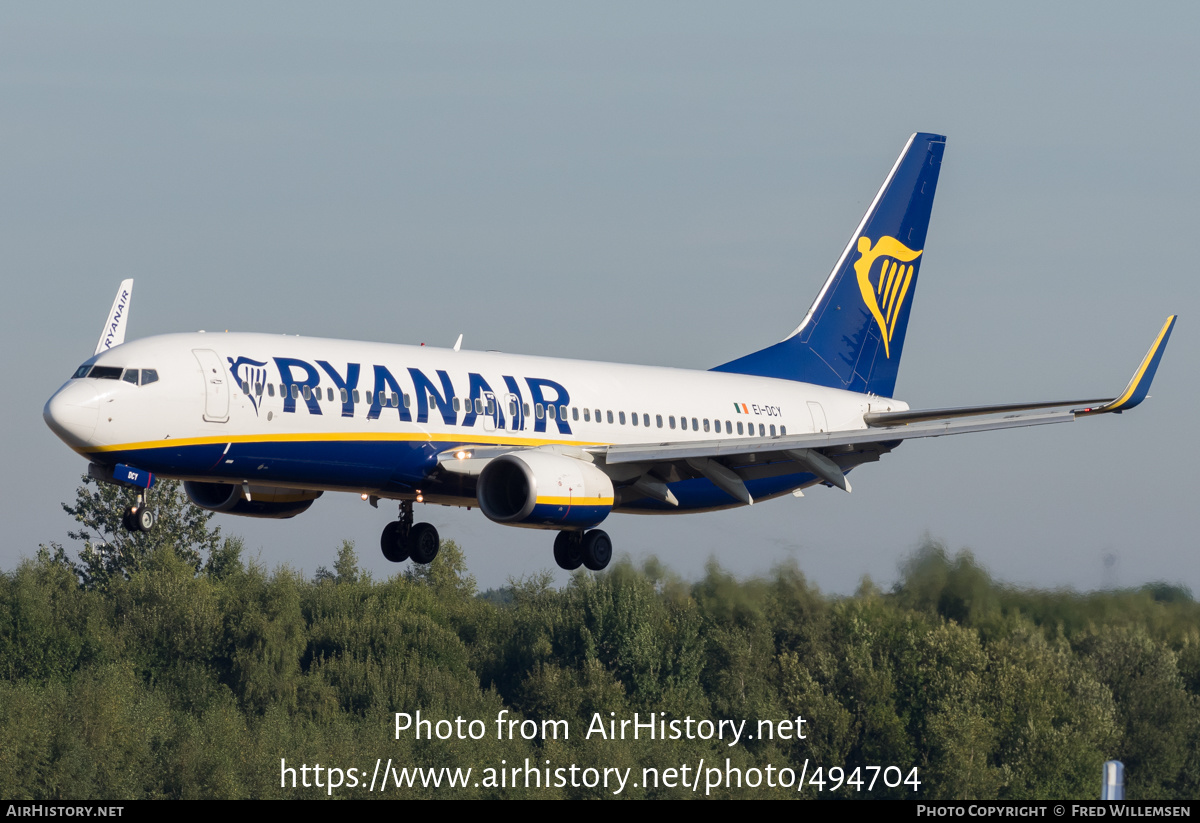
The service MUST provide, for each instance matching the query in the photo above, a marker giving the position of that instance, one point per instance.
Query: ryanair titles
(410, 394)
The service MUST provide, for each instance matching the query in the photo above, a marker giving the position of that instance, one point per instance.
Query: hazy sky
(664, 183)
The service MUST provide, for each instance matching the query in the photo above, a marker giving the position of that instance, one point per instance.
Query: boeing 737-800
(261, 425)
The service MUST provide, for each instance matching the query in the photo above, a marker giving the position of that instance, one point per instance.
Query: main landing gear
(402, 540)
(592, 549)
(138, 517)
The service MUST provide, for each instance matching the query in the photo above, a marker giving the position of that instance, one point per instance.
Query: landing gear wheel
(143, 519)
(568, 550)
(127, 520)
(597, 549)
(423, 543)
(395, 547)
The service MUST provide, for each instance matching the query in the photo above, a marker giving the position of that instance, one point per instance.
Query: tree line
(170, 666)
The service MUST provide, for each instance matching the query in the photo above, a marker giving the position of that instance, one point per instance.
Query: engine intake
(540, 490)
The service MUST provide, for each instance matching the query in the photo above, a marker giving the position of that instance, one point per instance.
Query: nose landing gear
(402, 539)
(138, 517)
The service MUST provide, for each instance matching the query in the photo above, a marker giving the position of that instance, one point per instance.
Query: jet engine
(542, 490)
(264, 501)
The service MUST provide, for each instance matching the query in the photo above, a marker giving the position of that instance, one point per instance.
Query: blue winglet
(1139, 384)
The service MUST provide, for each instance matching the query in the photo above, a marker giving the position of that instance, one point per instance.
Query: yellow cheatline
(574, 501)
(338, 437)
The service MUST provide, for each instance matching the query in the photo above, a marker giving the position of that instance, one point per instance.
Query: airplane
(261, 425)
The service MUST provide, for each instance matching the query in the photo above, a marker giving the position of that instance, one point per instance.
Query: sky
(663, 183)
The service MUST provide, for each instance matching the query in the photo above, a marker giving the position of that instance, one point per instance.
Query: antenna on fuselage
(113, 333)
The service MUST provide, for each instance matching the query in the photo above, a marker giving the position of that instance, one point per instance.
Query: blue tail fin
(853, 335)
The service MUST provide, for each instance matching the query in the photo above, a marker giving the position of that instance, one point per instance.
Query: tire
(394, 548)
(127, 521)
(423, 543)
(143, 519)
(597, 549)
(568, 551)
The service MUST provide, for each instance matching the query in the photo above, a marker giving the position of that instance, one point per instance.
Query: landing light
(420, 498)
(363, 496)
(462, 454)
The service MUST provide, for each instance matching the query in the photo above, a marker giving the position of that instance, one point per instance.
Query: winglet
(1139, 384)
(113, 333)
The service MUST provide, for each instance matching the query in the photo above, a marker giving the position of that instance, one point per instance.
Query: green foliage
(178, 680)
(111, 552)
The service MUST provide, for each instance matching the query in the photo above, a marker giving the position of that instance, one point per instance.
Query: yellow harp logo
(886, 296)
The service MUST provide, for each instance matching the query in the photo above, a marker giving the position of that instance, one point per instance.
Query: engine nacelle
(265, 501)
(543, 490)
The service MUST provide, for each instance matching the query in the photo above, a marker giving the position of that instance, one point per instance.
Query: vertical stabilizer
(853, 334)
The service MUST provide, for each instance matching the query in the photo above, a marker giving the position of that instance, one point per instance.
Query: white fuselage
(371, 418)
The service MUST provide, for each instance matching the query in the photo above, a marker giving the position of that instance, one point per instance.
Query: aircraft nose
(72, 413)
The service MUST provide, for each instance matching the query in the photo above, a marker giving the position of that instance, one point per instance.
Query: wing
(828, 455)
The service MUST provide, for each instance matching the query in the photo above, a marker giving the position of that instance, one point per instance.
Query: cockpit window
(106, 372)
(149, 376)
(131, 376)
(81, 371)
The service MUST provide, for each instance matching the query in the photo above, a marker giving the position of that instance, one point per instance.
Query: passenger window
(395, 400)
(478, 405)
(706, 424)
(130, 376)
(408, 401)
(728, 427)
(550, 412)
(512, 409)
(574, 412)
(610, 416)
(646, 420)
(307, 393)
(257, 386)
(683, 423)
(633, 418)
(658, 417)
(455, 404)
(587, 415)
(783, 431)
(329, 394)
(562, 412)
(345, 396)
(739, 427)
(772, 429)
(525, 409)
(621, 415)
(671, 420)
(539, 411)
(695, 426)
(270, 389)
(295, 392)
(491, 405)
(356, 395)
(283, 390)
(762, 430)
